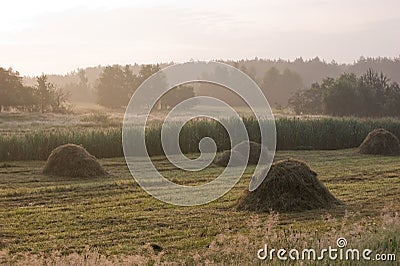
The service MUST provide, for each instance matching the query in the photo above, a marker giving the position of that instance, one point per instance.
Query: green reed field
(103, 139)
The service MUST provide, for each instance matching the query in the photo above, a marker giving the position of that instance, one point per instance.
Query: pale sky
(59, 36)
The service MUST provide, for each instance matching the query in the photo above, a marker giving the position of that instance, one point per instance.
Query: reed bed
(106, 142)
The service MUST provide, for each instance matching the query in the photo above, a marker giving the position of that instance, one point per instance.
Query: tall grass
(236, 248)
(328, 133)
(38, 145)
(292, 133)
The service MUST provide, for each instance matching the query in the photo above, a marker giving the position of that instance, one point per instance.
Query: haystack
(380, 142)
(237, 159)
(73, 161)
(289, 186)
(240, 151)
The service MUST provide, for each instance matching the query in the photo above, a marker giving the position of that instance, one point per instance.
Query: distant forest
(280, 79)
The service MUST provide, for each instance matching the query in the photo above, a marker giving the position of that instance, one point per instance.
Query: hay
(240, 151)
(73, 161)
(380, 142)
(237, 160)
(289, 186)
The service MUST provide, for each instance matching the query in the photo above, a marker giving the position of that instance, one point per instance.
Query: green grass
(105, 141)
(112, 215)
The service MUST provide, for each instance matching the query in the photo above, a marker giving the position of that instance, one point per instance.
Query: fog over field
(171, 132)
(55, 38)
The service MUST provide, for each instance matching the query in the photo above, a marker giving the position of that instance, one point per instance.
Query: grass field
(101, 135)
(112, 219)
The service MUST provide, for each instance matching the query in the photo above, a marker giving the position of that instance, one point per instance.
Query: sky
(60, 36)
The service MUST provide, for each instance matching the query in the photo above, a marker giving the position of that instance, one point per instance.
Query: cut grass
(115, 216)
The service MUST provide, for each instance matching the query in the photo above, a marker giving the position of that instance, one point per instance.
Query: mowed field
(112, 219)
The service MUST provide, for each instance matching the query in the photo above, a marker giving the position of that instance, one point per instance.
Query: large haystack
(380, 142)
(240, 150)
(289, 186)
(73, 161)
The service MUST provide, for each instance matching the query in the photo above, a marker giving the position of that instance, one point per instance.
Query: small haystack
(380, 142)
(73, 161)
(223, 158)
(289, 186)
(240, 150)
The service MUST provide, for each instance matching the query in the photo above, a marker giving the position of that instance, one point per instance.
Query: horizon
(172, 62)
(60, 37)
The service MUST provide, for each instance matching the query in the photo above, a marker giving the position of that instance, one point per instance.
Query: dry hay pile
(240, 151)
(289, 186)
(380, 142)
(73, 161)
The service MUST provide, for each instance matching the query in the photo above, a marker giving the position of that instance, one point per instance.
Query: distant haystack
(240, 151)
(289, 186)
(73, 161)
(237, 159)
(380, 142)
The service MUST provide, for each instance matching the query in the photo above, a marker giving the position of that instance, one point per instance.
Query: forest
(368, 87)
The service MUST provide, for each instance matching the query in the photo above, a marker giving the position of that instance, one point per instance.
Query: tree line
(117, 84)
(43, 96)
(309, 71)
(281, 82)
(372, 94)
(276, 86)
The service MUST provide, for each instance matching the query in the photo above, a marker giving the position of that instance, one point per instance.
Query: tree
(392, 103)
(146, 71)
(116, 84)
(44, 96)
(43, 91)
(341, 97)
(83, 80)
(372, 90)
(307, 101)
(251, 73)
(270, 79)
(50, 98)
(131, 81)
(10, 84)
(26, 99)
(58, 99)
(80, 90)
(111, 88)
(370, 95)
(176, 96)
(278, 87)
